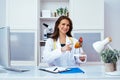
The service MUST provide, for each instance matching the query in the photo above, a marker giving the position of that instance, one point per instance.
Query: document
(54, 69)
(62, 70)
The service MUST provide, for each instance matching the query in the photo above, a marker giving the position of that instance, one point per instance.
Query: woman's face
(64, 26)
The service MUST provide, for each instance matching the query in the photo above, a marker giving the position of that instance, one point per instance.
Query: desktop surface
(92, 72)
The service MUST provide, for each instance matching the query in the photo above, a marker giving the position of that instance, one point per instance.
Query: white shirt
(58, 58)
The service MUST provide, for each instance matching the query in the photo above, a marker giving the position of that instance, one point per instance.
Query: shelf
(48, 18)
(42, 41)
(55, 0)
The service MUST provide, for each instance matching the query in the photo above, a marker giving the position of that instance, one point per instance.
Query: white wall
(2, 12)
(112, 21)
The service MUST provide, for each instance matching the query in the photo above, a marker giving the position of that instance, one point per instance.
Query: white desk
(92, 72)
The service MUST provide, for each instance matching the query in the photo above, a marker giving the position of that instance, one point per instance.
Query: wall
(112, 21)
(2, 12)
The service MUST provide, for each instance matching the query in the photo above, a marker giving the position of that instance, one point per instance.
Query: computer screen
(5, 51)
(4, 46)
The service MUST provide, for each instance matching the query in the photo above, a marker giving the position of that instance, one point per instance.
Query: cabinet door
(2, 12)
(87, 14)
(89, 37)
(22, 14)
(23, 47)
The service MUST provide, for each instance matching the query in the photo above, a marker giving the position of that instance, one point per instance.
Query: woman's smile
(64, 26)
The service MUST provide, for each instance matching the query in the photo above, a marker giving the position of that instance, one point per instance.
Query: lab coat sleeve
(49, 53)
(77, 57)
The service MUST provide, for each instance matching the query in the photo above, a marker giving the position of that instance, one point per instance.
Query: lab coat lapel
(58, 43)
(68, 40)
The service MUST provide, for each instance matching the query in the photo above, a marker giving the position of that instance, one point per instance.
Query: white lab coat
(55, 57)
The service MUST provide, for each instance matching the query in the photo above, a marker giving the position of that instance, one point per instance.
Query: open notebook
(62, 70)
(54, 69)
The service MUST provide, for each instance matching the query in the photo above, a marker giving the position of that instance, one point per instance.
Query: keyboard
(2, 71)
(16, 69)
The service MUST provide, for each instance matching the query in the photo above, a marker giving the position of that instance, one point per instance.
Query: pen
(55, 69)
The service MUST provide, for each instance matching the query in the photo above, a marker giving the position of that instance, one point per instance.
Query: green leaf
(110, 56)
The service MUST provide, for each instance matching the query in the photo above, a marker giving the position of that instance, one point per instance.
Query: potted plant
(62, 11)
(110, 58)
(65, 11)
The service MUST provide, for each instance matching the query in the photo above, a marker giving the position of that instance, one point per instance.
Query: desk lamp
(99, 47)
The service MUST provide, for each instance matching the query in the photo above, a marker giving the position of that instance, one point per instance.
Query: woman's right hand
(67, 47)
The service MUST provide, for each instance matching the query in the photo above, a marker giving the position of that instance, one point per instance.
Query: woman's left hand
(83, 57)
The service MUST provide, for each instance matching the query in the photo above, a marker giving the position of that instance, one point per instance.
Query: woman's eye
(68, 25)
(63, 24)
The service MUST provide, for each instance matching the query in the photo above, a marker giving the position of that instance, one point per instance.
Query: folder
(73, 70)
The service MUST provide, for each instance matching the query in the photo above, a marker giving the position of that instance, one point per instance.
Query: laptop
(5, 51)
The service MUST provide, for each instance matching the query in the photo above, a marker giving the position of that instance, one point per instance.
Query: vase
(110, 67)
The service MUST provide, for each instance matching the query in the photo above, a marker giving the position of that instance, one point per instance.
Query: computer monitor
(4, 46)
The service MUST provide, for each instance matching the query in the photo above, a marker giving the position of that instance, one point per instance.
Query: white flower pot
(110, 67)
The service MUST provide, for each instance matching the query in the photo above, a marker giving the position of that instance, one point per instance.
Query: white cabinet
(87, 14)
(88, 23)
(22, 18)
(22, 14)
(3, 13)
(23, 22)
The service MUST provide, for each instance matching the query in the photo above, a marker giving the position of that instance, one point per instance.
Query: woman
(59, 49)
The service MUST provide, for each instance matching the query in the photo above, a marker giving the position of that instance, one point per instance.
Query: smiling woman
(57, 54)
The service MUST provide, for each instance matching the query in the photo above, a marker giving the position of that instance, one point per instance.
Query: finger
(69, 45)
(69, 48)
